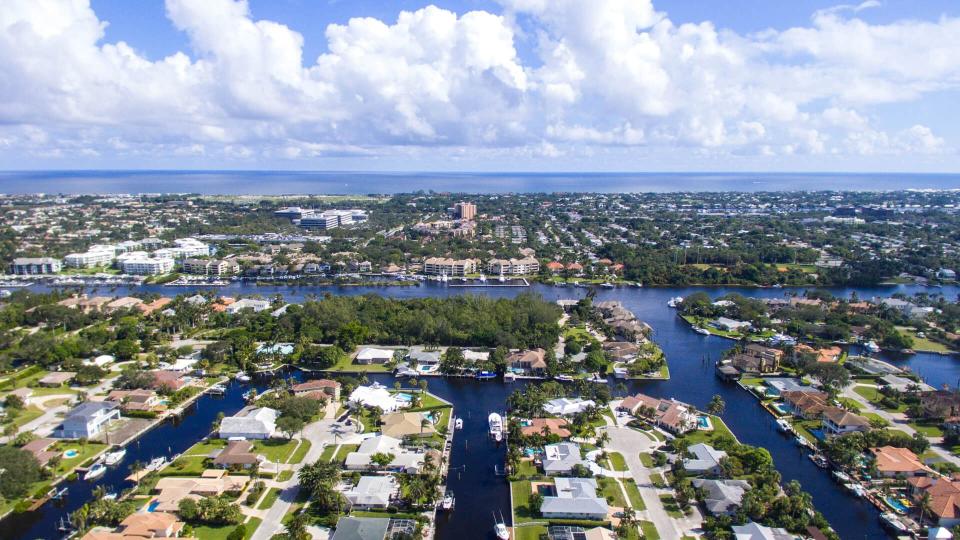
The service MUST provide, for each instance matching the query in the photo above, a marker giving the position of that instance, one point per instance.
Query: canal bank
(474, 457)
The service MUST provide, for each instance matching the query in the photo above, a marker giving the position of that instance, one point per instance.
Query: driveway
(630, 443)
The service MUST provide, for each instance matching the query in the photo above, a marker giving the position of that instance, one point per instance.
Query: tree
(187, 508)
(290, 425)
(382, 459)
(14, 401)
(717, 405)
(20, 470)
(238, 533)
(297, 527)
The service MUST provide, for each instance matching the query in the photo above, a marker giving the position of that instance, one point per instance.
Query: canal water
(475, 459)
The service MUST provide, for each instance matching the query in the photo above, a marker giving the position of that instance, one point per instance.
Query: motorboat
(700, 330)
(110, 497)
(448, 501)
(485, 375)
(243, 377)
(218, 389)
(482, 278)
(564, 378)
(155, 464)
(871, 347)
(509, 377)
(500, 528)
(608, 285)
(841, 477)
(784, 425)
(459, 423)
(675, 301)
(501, 279)
(112, 458)
(597, 378)
(801, 441)
(892, 522)
(856, 489)
(495, 422)
(58, 494)
(819, 460)
(95, 471)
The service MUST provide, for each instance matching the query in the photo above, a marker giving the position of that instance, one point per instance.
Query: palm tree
(424, 423)
(297, 527)
(924, 504)
(717, 405)
(135, 469)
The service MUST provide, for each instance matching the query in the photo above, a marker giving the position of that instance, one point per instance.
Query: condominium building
(331, 219)
(514, 267)
(210, 267)
(465, 210)
(90, 258)
(189, 247)
(35, 265)
(440, 266)
(141, 264)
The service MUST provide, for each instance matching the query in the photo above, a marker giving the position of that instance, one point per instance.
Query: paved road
(320, 435)
(899, 421)
(630, 443)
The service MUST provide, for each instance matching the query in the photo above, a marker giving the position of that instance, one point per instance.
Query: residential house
(706, 460)
(237, 454)
(375, 395)
(672, 415)
(168, 380)
(406, 424)
(370, 355)
(940, 403)
(568, 406)
(576, 498)
(56, 378)
(892, 461)
(88, 419)
(326, 388)
(372, 492)
(403, 460)
(837, 421)
(827, 355)
(40, 450)
(807, 405)
(944, 498)
(722, 497)
(370, 528)
(530, 361)
(730, 325)
(211, 483)
(423, 358)
(757, 359)
(141, 526)
(140, 399)
(621, 351)
(561, 458)
(777, 386)
(755, 531)
(250, 423)
(248, 303)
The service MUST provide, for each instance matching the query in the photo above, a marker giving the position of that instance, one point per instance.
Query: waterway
(478, 490)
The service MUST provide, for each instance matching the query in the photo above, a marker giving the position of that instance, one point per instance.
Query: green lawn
(344, 450)
(927, 429)
(269, 499)
(610, 490)
(646, 459)
(617, 460)
(284, 476)
(346, 365)
(873, 395)
(923, 344)
(529, 532)
(300, 452)
(221, 533)
(875, 416)
(671, 506)
(86, 452)
(328, 451)
(186, 466)
(527, 468)
(521, 500)
(633, 493)
(719, 430)
(203, 448)
(29, 414)
(276, 450)
(649, 530)
(657, 480)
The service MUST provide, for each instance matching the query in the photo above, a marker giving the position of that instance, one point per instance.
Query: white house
(88, 419)
(248, 303)
(250, 423)
(730, 325)
(375, 395)
(706, 460)
(576, 498)
(568, 406)
(372, 492)
(403, 460)
(371, 355)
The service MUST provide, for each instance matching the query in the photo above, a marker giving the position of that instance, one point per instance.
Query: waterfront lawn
(530, 532)
(646, 459)
(522, 512)
(344, 450)
(269, 499)
(186, 466)
(610, 490)
(671, 506)
(649, 530)
(927, 429)
(803, 428)
(616, 459)
(276, 450)
(633, 493)
(923, 344)
(527, 469)
(700, 436)
(223, 531)
(86, 452)
(300, 452)
(205, 447)
(346, 365)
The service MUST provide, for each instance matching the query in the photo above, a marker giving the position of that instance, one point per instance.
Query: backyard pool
(71, 453)
(404, 397)
(153, 505)
(780, 408)
(896, 504)
(704, 423)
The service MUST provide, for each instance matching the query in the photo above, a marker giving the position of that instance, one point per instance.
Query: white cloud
(608, 73)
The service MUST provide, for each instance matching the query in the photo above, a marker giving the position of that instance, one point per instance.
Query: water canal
(479, 491)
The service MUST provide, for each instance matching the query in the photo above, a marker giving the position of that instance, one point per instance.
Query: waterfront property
(372, 492)
(706, 460)
(250, 423)
(140, 526)
(561, 458)
(891, 461)
(672, 415)
(88, 420)
(575, 498)
(722, 497)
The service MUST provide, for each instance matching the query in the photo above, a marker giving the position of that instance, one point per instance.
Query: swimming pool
(153, 505)
(71, 453)
(780, 408)
(896, 504)
(703, 422)
(406, 398)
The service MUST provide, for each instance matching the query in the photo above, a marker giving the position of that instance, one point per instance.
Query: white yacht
(243, 377)
(112, 458)
(500, 528)
(96, 471)
(459, 423)
(872, 347)
(496, 426)
(675, 301)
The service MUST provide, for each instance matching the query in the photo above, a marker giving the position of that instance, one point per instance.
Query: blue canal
(474, 459)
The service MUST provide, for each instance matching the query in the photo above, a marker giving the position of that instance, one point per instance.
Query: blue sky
(624, 85)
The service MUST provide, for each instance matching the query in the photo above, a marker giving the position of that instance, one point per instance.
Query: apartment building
(465, 210)
(514, 267)
(25, 266)
(141, 264)
(440, 266)
(91, 258)
(210, 267)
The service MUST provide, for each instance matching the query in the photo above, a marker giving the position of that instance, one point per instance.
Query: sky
(480, 85)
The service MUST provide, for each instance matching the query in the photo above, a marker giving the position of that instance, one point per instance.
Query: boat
(448, 501)
(57, 494)
(871, 347)
(500, 528)
(501, 279)
(243, 377)
(459, 423)
(784, 425)
(608, 285)
(509, 377)
(96, 471)
(218, 390)
(801, 441)
(485, 375)
(155, 464)
(892, 522)
(564, 378)
(700, 330)
(596, 378)
(482, 278)
(856, 489)
(819, 460)
(841, 477)
(675, 301)
(64, 525)
(496, 426)
(112, 458)
(110, 497)
(250, 395)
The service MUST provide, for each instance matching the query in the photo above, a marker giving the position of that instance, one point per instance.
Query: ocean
(353, 183)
